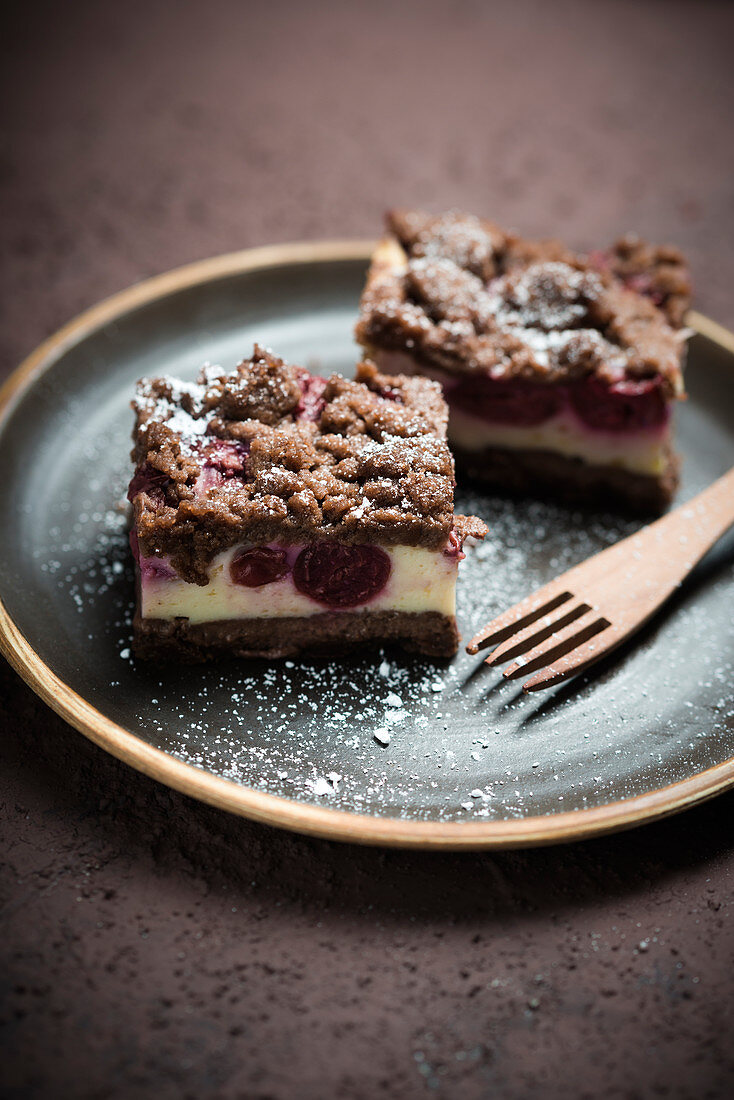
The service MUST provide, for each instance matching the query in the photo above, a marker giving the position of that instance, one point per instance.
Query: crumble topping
(268, 451)
(657, 271)
(460, 293)
(469, 242)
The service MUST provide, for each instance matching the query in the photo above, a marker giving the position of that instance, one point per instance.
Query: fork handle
(672, 545)
(700, 522)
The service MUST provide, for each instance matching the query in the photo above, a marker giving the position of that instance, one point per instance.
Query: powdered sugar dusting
(406, 737)
(187, 424)
(388, 734)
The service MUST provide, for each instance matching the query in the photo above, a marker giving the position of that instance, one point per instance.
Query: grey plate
(471, 760)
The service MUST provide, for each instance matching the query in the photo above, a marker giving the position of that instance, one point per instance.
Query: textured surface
(241, 457)
(461, 294)
(152, 946)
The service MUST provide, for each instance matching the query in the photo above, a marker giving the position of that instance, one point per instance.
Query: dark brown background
(154, 947)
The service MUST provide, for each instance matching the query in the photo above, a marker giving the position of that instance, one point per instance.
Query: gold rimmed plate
(469, 761)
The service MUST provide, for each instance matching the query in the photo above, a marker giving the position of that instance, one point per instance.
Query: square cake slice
(276, 512)
(560, 370)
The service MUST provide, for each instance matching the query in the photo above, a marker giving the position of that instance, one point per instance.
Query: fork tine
(530, 636)
(574, 661)
(556, 646)
(523, 614)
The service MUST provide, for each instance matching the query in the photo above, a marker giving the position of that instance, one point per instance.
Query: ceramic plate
(470, 761)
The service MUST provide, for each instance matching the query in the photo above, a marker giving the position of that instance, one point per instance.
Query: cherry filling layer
(303, 580)
(331, 573)
(223, 460)
(151, 568)
(259, 565)
(454, 549)
(227, 456)
(520, 404)
(341, 576)
(147, 479)
(312, 401)
(624, 407)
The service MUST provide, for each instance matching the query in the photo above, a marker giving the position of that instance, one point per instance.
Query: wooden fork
(582, 615)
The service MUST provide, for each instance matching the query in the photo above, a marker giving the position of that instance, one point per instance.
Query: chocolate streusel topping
(459, 293)
(268, 452)
(658, 271)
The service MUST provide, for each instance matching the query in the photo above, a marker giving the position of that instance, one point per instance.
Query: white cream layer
(420, 580)
(642, 452)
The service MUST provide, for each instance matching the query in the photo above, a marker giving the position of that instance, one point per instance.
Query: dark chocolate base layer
(427, 632)
(547, 474)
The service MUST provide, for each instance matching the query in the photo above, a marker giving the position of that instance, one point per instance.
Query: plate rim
(276, 810)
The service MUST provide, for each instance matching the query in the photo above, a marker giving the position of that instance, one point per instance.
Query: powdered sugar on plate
(406, 737)
(390, 734)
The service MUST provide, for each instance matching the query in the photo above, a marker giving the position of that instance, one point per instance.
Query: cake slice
(276, 512)
(560, 370)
